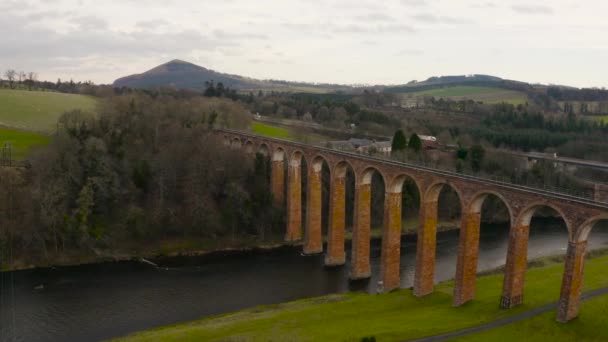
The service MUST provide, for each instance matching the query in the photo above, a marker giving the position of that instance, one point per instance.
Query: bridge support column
(468, 252)
(515, 269)
(313, 242)
(572, 282)
(425, 250)
(294, 202)
(391, 242)
(361, 233)
(278, 180)
(337, 211)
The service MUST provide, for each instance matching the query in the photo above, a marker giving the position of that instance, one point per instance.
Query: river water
(96, 302)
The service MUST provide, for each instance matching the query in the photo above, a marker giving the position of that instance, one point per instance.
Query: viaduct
(579, 215)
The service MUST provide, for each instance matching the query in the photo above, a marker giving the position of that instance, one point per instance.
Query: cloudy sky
(337, 41)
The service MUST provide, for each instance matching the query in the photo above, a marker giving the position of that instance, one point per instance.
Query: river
(96, 302)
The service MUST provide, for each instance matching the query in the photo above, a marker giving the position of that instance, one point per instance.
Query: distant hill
(185, 75)
(182, 75)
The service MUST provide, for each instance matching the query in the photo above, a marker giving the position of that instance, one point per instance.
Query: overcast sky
(336, 41)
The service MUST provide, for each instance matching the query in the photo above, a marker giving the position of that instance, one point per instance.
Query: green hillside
(476, 93)
(22, 142)
(37, 110)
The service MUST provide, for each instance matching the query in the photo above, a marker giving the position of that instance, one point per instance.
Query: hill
(38, 110)
(184, 75)
(463, 92)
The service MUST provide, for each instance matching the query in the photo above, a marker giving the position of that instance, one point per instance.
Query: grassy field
(37, 110)
(22, 141)
(286, 133)
(603, 119)
(270, 131)
(484, 94)
(589, 326)
(399, 315)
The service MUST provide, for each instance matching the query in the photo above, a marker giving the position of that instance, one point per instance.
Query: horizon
(337, 42)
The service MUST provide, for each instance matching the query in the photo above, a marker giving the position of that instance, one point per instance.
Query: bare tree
(21, 76)
(10, 75)
(31, 79)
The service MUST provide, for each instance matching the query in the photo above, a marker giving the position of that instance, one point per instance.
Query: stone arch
(249, 147)
(264, 150)
(426, 244)
(585, 229)
(431, 194)
(236, 143)
(340, 169)
(525, 216)
(278, 154)
(396, 184)
(365, 177)
(479, 198)
(317, 162)
(517, 255)
(295, 178)
(313, 237)
(226, 140)
(336, 255)
(296, 157)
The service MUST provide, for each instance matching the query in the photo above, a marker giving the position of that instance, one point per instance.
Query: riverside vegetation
(142, 171)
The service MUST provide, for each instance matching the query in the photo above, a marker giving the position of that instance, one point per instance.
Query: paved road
(505, 321)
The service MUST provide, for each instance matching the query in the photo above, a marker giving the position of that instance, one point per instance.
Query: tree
(399, 142)
(415, 142)
(10, 75)
(31, 79)
(477, 155)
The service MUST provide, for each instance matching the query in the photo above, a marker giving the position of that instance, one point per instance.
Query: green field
(270, 131)
(399, 315)
(22, 142)
(589, 326)
(37, 110)
(603, 119)
(483, 94)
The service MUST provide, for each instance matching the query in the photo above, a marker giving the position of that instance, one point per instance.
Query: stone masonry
(580, 215)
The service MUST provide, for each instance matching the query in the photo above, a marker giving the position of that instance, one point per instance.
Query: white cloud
(346, 41)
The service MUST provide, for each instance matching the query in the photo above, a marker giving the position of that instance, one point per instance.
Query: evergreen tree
(415, 142)
(477, 155)
(399, 142)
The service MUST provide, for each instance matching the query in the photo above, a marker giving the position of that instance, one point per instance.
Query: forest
(142, 169)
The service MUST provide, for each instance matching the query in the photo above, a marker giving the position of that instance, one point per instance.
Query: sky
(329, 41)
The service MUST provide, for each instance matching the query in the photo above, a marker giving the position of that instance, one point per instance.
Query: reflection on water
(103, 301)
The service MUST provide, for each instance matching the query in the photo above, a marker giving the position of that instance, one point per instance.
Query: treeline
(506, 115)
(575, 94)
(143, 169)
(335, 110)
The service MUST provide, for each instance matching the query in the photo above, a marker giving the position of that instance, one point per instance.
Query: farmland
(38, 110)
(483, 94)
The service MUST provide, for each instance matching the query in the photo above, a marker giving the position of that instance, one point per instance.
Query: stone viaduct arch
(579, 214)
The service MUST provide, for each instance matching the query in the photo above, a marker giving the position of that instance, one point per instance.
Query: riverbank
(183, 247)
(399, 315)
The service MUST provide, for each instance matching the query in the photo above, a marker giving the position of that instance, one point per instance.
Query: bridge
(579, 214)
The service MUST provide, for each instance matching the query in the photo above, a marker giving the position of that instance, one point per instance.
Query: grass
(489, 95)
(270, 131)
(22, 141)
(394, 316)
(589, 326)
(286, 133)
(603, 119)
(38, 110)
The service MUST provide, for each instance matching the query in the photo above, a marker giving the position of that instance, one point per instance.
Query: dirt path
(505, 321)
